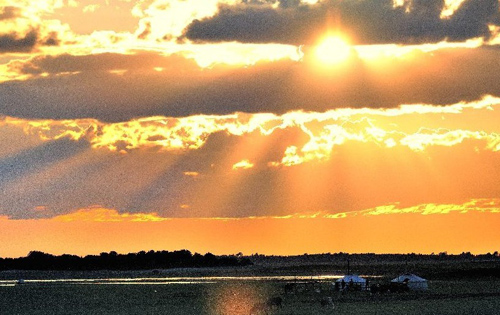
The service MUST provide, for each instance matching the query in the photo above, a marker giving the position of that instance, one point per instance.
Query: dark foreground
(466, 287)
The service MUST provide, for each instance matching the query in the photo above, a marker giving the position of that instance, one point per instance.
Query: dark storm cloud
(13, 43)
(367, 21)
(182, 88)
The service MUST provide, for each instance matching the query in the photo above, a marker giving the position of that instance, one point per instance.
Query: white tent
(357, 280)
(414, 282)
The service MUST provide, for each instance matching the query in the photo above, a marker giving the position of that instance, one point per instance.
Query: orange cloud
(450, 6)
(100, 214)
(419, 141)
(243, 164)
(482, 205)
(97, 214)
(324, 131)
(489, 205)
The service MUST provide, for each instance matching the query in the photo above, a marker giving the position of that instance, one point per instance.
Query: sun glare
(333, 50)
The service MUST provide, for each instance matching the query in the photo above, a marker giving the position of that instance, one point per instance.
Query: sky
(255, 126)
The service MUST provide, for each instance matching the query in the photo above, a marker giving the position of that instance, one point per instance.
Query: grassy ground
(238, 297)
(454, 288)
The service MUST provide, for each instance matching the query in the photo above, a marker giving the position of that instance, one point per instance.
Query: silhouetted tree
(37, 260)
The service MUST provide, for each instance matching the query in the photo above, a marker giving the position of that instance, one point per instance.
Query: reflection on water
(167, 280)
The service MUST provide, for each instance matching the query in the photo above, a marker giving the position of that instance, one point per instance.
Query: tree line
(37, 260)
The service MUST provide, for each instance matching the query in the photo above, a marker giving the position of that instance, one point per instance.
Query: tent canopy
(354, 278)
(414, 282)
(409, 277)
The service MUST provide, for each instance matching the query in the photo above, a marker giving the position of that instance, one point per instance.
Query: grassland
(455, 288)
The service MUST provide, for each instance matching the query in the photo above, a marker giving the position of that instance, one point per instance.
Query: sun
(333, 50)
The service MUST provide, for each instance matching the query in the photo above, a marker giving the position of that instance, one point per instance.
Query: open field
(475, 290)
(238, 297)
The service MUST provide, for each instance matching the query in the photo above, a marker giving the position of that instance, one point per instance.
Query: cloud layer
(113, 87)
(367, 22)
(252, 164)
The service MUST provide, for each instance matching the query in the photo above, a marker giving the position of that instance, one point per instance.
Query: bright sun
(333, 50)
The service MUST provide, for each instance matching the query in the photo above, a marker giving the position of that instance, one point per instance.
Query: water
(166, 280)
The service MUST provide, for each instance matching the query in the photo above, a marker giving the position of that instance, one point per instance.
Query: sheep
(264, 308)
(327, 301)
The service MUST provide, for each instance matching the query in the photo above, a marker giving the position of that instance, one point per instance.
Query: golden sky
(269, 126)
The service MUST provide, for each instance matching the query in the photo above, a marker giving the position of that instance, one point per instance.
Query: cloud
(366, 22)
(12, 43)
(25, 28)
(243, 164)
(9, 12)
(482, 205)
(324, 130)
(117, 87)
(179, 14)
(97, 214)
(338, 161)
(491, 205)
